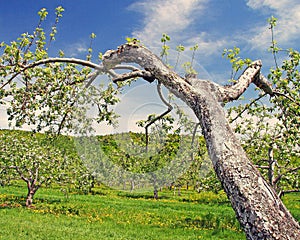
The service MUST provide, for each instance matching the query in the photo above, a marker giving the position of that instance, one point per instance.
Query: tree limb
(262, 82)
(250, 75)
(137, 73)
(54, 60)
(281, 193)
(64, 60)
(276, 93)
(262, 167)
(129, 53)
(19, 172)
(125, 67)
(286, 172)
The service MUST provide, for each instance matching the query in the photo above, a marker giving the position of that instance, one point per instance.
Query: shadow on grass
(11, 201)
(205, 201)
(210, 221)
(140, 196)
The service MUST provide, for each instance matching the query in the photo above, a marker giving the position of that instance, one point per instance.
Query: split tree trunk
(30, 194)
(258, 208)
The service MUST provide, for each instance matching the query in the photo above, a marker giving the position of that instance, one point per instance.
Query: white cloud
(287, 29)
(208, 45)
(76, 49)
(278, 4)
(178, 19)
(167, 16)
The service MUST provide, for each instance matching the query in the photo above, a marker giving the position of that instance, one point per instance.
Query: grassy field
(111, 214)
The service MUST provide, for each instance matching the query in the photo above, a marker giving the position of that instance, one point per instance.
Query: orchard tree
(35, 159)
(52, 88)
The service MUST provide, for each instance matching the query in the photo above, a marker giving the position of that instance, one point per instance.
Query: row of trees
(117, 160)
(55, 94)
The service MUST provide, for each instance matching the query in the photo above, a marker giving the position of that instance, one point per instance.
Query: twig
(286, 96)
(92, 77)
(247, 107)
(193, 140)
(273, 46)
(170, 108)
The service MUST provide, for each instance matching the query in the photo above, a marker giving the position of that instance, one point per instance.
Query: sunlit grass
(112, 214)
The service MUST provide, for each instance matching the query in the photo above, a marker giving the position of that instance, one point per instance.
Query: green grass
(112, 214)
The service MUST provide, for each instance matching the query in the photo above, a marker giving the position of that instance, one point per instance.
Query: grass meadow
(113, 214)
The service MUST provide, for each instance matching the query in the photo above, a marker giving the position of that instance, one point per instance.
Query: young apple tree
(39, 162)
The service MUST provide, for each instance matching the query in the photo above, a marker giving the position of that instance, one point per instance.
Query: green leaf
(93, 36)
(43, 13)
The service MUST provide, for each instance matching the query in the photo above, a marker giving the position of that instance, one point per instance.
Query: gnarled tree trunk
(258, 208)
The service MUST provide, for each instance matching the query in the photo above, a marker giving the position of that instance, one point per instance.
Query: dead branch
(170, 108)
(135, 74)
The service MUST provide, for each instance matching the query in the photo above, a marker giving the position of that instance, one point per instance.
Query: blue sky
(212, 24)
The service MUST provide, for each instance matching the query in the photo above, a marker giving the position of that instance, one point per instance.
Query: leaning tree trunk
(258, 208)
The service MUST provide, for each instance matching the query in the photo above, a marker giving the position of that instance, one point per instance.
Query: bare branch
(193, 140)
(250, 75)
(262, 82)
(281, 193)
(247, 107)
(135, 53)
(121, 67)
(92, 77)
(262, 167)
(65, 60)
(293, 169)
(170, 108)
(54, 60)
(286, 172)
(276, 93)
(140, 73)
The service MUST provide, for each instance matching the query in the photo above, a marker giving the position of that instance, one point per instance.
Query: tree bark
(258, 208)
(30, 194)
